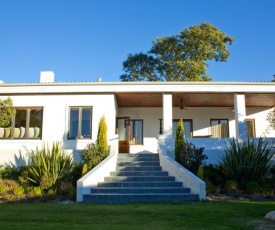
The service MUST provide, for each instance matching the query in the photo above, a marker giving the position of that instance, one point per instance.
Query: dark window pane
(74, 121)
(138, 132)
(20, 123)
(35, 123)
(86, 123)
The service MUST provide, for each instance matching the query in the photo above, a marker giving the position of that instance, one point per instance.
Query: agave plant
(49, 166)
(247, 161)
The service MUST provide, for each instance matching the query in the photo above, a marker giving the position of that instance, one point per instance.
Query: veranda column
(167, 113)
(240, 115)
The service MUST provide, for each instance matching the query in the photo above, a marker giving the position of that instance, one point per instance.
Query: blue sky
(80, 40)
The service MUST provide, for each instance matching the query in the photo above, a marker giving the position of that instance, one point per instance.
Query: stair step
(141, 184)
(137, 155)
(136, 169)
(129, 159)
(137, 164)
(144, 190)
(138, 178)
(124, 198)
(139, 173)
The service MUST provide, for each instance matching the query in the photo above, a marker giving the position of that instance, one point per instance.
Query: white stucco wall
(150, 117)
(55, 122)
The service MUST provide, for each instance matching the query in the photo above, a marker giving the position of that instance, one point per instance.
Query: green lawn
(208, 215)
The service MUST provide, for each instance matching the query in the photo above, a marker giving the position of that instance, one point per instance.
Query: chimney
(46, 77)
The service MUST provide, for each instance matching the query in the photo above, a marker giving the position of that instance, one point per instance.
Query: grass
(206, 215)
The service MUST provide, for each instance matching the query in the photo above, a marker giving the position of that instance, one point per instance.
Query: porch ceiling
(193, 99)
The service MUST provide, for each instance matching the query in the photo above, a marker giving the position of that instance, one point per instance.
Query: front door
(123, 131)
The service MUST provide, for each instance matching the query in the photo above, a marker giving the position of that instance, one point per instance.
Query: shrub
(10, 173)
(231, 185)
(49, 166)
(3, 189)
(92, 155)
(211, 189)
(246, 161)
(253, 187)
(50, 194)
(102, 141)
(191, 157)
(75, 174)
(37, 191)
(200, 172)
(67, 190)
(8, 187)
(179, 141)
(84, 169)
(18, 192)
(215, 174)
(7, 112)
(267, 188)
(1, 171)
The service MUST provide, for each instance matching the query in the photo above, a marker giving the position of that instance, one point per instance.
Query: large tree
(180, 57)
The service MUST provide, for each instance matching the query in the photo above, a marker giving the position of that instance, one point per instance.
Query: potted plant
(6, 115)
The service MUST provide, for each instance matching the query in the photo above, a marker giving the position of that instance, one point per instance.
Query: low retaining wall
(181, 174)
(98, 173)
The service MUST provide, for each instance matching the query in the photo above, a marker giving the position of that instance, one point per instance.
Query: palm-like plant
(247, 161)
(49, 166)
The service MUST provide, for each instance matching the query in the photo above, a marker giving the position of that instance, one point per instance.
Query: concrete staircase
(139, 178)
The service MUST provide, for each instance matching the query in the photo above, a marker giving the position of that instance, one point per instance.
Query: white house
(140, 114)
(141, 118)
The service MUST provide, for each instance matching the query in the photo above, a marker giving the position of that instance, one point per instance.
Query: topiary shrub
(179, 142)
(253, 187)
(102, 141)
(84, 169)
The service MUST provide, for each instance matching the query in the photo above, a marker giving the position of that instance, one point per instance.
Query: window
(188, 127)
(136, 132)
(26, 124)
(80, 122)
(250, 128)
(219, 128)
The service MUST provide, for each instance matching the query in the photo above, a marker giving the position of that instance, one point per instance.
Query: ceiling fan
(182, 106)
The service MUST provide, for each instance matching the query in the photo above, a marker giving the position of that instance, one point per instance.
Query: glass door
(123, 131)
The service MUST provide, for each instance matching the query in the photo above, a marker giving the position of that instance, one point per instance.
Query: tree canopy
(6, 112)
(180, 57)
